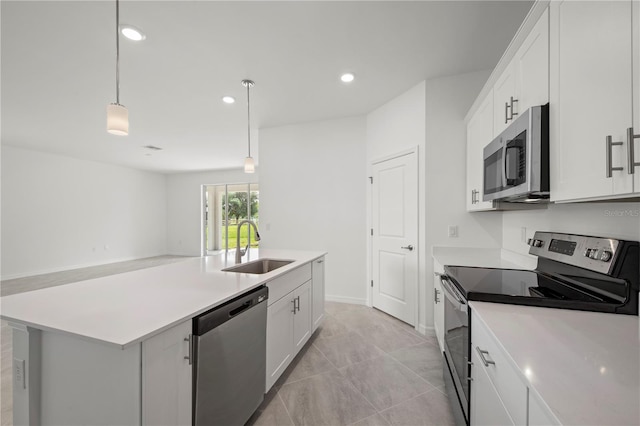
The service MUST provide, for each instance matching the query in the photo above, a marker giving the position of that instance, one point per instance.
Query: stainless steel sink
(260, 266)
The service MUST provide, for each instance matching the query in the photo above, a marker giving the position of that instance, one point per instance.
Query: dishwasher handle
(227, 311)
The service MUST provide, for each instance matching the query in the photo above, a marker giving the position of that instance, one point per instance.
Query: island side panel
(25, 365)
(89, 383)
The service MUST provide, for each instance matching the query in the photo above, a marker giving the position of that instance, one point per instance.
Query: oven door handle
(451, 294)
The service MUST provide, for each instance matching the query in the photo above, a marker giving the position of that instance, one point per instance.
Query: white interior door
(395, 236)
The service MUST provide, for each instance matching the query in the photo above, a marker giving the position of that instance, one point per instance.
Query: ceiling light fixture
(132, 33)
(249, 165)
(347, 78)
(228, 99)
(117, 115)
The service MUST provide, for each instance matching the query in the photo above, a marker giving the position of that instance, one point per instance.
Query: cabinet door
(503, 90)
(486, 406)
(479, 135)
(317, 272)
(279, 338)
(166, 377)
(532, 67)
(636, 93)
(302, 316)
(590, 97)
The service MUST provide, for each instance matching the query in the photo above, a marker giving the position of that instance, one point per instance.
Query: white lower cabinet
(289, 320)
(486, 406)
(499, 393)
(494, 380)
(318, 293)
(166, 377)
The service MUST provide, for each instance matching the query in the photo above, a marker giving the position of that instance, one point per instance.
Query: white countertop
(483, 257)
(127, 308)
(584, 365)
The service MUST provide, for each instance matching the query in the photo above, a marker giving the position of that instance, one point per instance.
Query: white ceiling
(58, 69)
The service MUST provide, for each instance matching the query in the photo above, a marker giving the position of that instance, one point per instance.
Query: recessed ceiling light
(228, 99)
(347, 78)
(132, 33)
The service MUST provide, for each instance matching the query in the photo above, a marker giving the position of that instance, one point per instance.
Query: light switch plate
(453, 231)
(18, 373)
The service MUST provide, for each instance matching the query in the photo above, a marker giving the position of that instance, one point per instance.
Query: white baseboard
(342, 299)
(422, 329)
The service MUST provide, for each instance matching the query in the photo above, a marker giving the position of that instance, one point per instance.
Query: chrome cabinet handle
(610, 144)
(484, 360)
(190, 356)
(294, 306)
(409, 247)
(298, 298)
(320, 261)
(513, 101)
(435, 295)
(631, 159)
(506, 112)
(474, 196)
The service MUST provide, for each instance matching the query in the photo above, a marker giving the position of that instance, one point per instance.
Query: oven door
(456, 345)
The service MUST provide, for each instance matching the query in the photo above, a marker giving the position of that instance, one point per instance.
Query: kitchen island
(80, 349)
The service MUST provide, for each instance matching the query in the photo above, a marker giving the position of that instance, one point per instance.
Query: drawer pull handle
(484, 360)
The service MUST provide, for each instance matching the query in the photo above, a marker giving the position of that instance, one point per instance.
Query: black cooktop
(538, 289)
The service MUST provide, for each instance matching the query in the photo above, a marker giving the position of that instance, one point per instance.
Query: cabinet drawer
(511, 389)
(280, 286)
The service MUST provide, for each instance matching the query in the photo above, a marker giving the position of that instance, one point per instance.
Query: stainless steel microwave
(516, 163)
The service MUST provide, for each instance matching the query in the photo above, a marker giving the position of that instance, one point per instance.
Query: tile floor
(361, 367)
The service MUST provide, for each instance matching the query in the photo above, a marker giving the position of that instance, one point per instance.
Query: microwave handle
(504, 165)
(507, 180)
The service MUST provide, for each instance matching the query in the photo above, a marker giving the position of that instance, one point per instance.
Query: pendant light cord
(118, 52)
(248, 120)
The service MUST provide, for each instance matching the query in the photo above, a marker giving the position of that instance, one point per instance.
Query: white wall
(394, 127)
(615, 220)
(312, 197)
(431, 117)
(61, 213)
(447, 101)
(184, 206)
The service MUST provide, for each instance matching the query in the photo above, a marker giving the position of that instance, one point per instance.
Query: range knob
(594, 254)
(587, 252)
(538, 243)
(605, 255)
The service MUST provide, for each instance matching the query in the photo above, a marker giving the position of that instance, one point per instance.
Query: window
(224, 206)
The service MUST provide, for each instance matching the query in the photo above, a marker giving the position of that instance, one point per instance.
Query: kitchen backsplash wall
(62, 213)
(618, 220)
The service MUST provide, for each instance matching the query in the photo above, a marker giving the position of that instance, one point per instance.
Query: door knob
(409, 247)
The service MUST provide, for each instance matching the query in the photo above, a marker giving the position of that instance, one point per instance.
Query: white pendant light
(249, 165)
(117, 115)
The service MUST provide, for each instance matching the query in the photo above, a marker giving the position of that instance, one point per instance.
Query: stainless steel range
(574, 272)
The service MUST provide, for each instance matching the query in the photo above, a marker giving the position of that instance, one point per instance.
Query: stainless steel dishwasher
(229, 347)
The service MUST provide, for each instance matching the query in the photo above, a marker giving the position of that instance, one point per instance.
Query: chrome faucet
(240, 252)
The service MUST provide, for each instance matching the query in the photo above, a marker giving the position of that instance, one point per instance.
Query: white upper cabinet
(504, 99)
(635, 44)
(532, 68)
(479, 134)
(591, 98)
(525, 81)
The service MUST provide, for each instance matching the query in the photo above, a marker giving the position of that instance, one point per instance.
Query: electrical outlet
(18, 373)
(453, 231)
